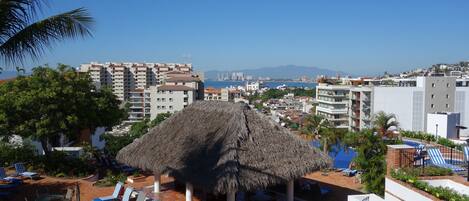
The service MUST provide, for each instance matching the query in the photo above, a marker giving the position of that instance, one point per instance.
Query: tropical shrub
(111, 179)
(10, 154)
(371, 151)
(427, 171)
(439, 192)
(60, 164)
(430, 138)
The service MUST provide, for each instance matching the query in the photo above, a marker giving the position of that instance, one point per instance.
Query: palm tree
(320, 128)
(22, 36)
(383, 122)
(20, 70)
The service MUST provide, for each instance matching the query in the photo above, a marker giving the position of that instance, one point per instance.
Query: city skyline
(353, 37)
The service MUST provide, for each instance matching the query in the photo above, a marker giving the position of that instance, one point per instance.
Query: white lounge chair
(128, 192)
(21, 171)
(115, 194)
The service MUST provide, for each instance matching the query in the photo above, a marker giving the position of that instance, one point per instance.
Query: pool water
(342, 157)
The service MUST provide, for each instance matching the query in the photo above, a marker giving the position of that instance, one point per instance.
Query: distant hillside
(280, 72)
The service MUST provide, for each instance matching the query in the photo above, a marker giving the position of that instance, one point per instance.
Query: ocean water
(224, 84)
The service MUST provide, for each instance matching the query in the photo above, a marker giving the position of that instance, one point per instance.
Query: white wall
(395, 190)
(443, 125)
(462, 106)
(398, 101)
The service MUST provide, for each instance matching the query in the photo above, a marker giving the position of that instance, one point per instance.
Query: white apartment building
(360, 100)
(126, 77)
(171, 98)
(139, 105)
(411, 101)
(253, 86)
(333, 103)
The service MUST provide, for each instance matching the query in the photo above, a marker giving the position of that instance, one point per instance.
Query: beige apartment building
(148, 88)
(126, 77)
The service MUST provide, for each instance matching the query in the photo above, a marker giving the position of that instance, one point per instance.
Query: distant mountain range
(279, 72)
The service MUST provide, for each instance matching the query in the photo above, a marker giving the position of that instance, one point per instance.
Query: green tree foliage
(382, 122)
(52, 102)
(159, 118)
(371, 151)
(273, 94)
(22, 35)
(303, 92)
(318, 127)
(139, 128)
(10, 154)
(115, 143)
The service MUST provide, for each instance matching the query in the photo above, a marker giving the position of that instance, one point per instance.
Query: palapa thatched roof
(221, 146)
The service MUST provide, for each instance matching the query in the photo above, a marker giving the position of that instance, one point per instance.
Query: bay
(224, 84)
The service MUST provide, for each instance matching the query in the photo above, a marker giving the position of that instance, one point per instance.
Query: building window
(433, 95)
(158, 100)
(170, 107)
(159, 107)
(171, 92)
(432, 106)
(163, 99)
(185, 92)
(447, 96)
(433, 85)
(170, 99)
(447, 85)
(163, 107)
(447, 105)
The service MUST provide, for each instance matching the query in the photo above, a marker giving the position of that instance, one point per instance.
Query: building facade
(410, 100)
(333, 104)
(126, 77)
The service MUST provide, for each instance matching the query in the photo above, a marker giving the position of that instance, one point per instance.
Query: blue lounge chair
(115, 194)
(21, 171)
(437, 159)
(128, 192)
(4, 177)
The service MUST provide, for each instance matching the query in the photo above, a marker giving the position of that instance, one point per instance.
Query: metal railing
(419, 157)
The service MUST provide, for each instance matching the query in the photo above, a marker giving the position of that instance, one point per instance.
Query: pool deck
(340, 185)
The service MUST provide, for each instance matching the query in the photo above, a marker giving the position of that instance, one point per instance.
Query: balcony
(332, 110)
(333, 102)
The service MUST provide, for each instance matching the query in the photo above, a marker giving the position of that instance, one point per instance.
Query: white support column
(189, 191)
(156, 183)
(231, 196)
(290, 190)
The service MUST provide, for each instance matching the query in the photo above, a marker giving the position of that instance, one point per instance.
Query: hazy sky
(352, 36)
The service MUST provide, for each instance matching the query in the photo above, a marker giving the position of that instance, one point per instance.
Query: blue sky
(352, 36)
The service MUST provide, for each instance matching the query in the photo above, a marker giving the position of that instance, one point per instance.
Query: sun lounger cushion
(437, 159)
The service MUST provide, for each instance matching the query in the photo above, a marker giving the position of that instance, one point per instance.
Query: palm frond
(33, 39)
(15, 15)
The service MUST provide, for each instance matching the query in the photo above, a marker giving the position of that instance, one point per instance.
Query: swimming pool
(342, 157)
